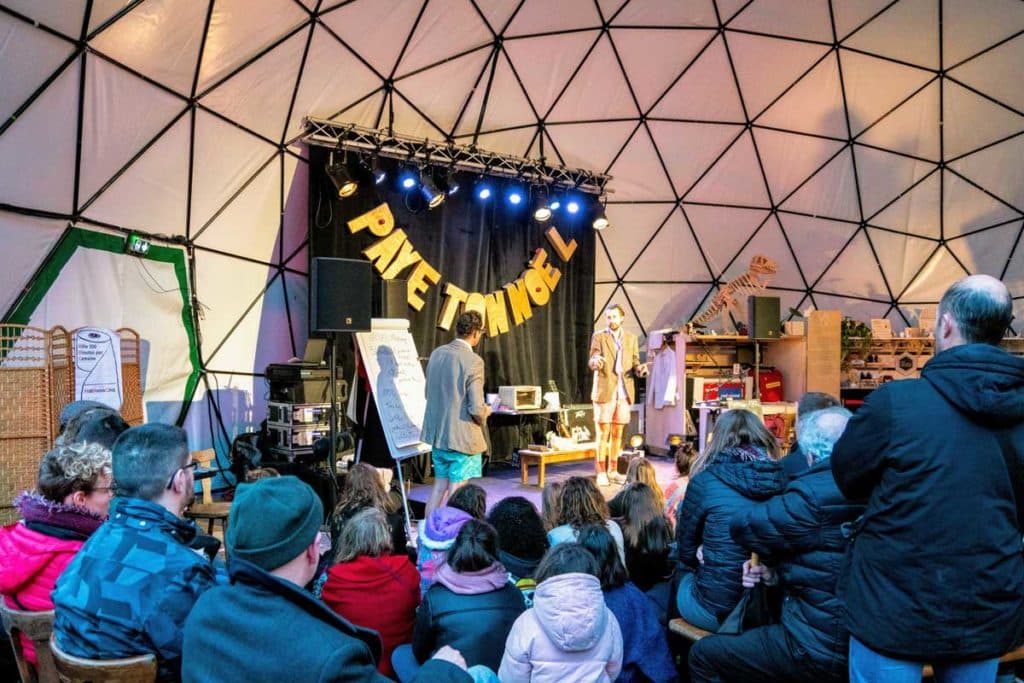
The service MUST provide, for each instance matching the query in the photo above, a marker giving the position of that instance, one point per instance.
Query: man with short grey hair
(936, 569)
(130, 587)
(799, 537)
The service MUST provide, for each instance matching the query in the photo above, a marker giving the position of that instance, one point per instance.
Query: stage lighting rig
(433, 196)
(339, 174)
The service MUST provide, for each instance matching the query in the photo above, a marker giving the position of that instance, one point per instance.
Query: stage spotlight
(573, 206)
(542, 213)
(555, 205)
(136, 245)
(636, 441)
(408, 180)
(379, 174)
(483, 191)
(515, 197)
(342, 179)
(600, 219)
(453, 185)
(430, 193)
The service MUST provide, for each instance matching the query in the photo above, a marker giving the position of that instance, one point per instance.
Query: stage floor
(504, 480)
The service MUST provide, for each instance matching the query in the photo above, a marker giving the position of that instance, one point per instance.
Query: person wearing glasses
(70, 502)
(242, 631)
(133, 583)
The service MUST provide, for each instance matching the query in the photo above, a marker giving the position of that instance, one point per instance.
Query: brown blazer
(455, 400)
(605, 380)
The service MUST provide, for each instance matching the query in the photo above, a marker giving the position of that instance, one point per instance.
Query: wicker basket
(37, 379)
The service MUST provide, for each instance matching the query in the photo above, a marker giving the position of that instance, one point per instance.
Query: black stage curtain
(478, 246)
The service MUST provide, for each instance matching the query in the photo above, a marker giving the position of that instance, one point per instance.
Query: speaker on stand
(390, 299)
(339, 302)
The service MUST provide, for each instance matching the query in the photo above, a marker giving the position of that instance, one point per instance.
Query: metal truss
(461, 157)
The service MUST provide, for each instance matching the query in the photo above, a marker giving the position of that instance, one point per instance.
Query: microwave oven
(520, 397)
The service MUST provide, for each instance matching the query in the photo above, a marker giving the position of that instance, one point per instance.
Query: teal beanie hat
(272, 521)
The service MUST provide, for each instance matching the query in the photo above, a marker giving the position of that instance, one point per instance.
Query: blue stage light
(554, 205)
(483, 192)
(573, 206)
(515, 197)
(408, 181)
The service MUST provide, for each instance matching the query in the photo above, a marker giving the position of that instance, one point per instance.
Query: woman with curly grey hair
(71, 500)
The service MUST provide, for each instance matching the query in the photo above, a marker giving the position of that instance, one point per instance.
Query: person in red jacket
(72, 499)
(371, 587)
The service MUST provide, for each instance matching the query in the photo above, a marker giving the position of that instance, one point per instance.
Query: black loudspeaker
(339, 295)
(763, 317)
(390, 299)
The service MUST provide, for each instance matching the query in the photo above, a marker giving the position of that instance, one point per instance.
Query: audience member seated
(370, 586)
(550, 498)
(737, 469)
(640, 470)
(522, 541)
(363, 489)
(91, 422)
(436, 534)
(800, 534)
(569, 634)
(582, 504)
(133, 583)
(645, 653)
(471, 499)
(647, 537)
(676, 489)
(471, 607)
(264, 626)
(71, 501)
(797, 461)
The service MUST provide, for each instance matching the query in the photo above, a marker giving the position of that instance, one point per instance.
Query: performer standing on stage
(455, 413)
(615, 360)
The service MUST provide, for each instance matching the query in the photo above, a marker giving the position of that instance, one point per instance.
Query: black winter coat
(937, 571)
(476, 625)
(727, 486)
(262, 628)
(799, 532)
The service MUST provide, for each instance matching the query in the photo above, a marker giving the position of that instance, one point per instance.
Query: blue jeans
(867, 666)
(689, 606)
(406, 667)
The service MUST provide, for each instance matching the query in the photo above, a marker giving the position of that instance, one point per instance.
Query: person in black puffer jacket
(800, 533)
(738, 468)
(937, 570)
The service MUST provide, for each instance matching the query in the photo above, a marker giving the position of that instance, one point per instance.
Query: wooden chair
(71, 669)
(208, 509)
(37, 626)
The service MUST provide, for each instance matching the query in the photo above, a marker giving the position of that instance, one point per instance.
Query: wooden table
(585, 451)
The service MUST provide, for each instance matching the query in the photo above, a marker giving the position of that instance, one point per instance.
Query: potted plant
(855, 340)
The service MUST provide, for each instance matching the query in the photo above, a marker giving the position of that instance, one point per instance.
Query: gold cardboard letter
(564, 251)
(380, 221)
(548, 273)
(453, 296)
(518, 301)
(420, 279)
(383, 251)
(497, 314)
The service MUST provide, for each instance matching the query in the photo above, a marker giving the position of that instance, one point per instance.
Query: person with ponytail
(471, 606)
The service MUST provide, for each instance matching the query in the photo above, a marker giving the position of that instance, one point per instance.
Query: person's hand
(700, 553)
(596, 362)
(449, 654)
(753, 575)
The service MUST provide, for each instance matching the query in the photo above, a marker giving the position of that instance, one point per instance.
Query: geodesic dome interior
(871, 148)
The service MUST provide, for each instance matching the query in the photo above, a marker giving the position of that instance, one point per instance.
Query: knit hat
(272, 521)
(442, 526)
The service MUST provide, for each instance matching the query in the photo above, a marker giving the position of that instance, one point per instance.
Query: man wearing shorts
(455, 414)
(615, 360)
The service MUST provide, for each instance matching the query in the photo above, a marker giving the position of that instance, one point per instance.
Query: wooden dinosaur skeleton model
(727, 301)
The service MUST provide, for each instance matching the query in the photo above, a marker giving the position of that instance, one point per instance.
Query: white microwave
(520, 397)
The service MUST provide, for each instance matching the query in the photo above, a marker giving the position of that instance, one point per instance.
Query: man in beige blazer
(455, 414)
(615, 360)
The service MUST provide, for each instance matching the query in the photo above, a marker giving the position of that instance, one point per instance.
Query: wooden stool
(208, 509)
(687, 630)
(36, 626)
(138, 669)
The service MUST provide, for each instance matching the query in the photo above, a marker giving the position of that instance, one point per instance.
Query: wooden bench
(527, 457)
(689, 632)
(683, 628)
(1015, 655)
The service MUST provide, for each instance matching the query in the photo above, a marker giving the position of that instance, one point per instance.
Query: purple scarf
(35, 508)
(472, 583)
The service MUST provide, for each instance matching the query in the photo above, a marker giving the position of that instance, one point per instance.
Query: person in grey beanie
(238, 632)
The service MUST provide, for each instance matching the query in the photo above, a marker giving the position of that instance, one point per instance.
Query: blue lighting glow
(573, 206)
(515, 197)
(554, 205)
(408, 181)
(483, 192)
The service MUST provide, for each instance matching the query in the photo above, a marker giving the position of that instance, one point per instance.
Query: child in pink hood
(569, 633)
